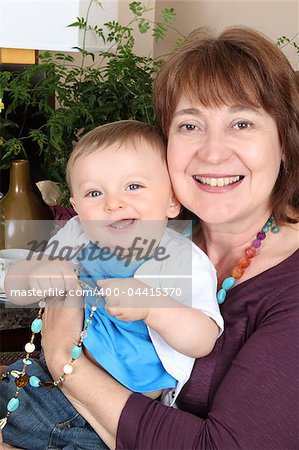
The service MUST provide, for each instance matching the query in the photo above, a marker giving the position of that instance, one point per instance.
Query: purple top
(244, 394)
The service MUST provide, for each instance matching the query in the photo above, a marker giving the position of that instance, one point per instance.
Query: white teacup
(8, 257)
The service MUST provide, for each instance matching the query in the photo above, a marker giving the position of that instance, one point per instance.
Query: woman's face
(223, 161)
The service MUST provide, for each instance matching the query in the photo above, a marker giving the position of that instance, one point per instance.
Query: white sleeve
(204, 287)
(68, 239)
(190, 270)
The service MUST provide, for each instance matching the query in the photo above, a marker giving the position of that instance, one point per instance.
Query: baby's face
(122, 192)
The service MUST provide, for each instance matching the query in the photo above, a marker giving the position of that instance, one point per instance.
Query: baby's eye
(242, 125)
(133, 187)
(94, 194)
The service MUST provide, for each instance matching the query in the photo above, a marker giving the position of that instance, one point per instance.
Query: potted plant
(114, 84)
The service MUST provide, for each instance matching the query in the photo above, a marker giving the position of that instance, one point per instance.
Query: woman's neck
(225, 244)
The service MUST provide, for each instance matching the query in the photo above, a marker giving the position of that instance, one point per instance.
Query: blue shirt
(124, 349)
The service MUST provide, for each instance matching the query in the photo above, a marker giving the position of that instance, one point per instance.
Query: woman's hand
(62, 325)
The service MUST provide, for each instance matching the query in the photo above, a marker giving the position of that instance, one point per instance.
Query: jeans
(45, 419)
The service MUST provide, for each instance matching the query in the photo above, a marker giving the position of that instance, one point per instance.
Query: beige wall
(272, 17)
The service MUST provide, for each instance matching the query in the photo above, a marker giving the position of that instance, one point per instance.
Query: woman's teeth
(218, 181)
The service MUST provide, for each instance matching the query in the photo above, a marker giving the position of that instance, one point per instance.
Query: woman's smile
(216, 183)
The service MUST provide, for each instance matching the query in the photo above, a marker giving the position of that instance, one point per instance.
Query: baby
(154, 317)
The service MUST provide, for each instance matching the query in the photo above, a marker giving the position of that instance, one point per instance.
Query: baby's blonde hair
(121, 132)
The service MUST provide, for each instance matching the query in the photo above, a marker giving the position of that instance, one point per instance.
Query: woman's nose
(215, 147)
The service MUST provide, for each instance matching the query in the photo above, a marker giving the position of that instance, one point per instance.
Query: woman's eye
(242, 125)
(188, 127)
(133, 187)
(94, 194)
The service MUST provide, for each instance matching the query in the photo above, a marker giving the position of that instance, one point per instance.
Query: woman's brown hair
(243, 67)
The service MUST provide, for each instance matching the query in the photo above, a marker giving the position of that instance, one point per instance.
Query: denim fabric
(45, 418)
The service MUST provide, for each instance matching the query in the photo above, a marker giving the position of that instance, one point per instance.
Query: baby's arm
(38, 278)
(191, 323)
(187, 330)
(187, 323)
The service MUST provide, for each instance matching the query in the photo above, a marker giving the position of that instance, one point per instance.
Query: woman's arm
(92, 391)
(253, 407)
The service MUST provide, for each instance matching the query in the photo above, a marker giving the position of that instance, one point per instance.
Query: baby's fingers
(114, 311)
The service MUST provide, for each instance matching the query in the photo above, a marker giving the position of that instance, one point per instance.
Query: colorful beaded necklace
(21, 377)
(245, 261)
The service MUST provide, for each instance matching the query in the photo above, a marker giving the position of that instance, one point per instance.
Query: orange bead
(245, 261)
(237, 272)
(22, 380)
(250, 252)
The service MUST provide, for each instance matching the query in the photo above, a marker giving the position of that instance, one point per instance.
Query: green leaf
(64, 57)
(159, 32)
(8, 123)
(39, 137)
(168, 15)
(74, 24)
(180, 41)
(81, 23)
(137, 8)
(143, 26)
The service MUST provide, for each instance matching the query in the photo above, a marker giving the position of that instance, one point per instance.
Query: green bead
(265, 229)
(269, 223)
(228, 283)
(37, 325)
(221, 294)
(275, 229)
(13, 404)
(76, 352)
(88, 321)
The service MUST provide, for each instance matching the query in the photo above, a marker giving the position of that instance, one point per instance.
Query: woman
(228, 108)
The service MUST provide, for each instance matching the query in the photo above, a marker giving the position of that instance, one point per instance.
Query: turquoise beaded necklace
(249, 253)
(21, 377)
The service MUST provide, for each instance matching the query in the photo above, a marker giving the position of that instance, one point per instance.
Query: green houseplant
(114, 84)
(282, 41)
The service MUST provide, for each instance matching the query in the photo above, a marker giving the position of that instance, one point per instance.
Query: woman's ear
(174, 207)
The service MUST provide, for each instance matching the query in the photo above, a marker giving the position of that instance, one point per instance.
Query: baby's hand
(124, 299)
(52, 278)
